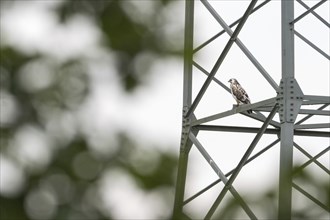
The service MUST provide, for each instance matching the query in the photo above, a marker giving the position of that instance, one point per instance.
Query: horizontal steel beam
(238, 109)
(255, 130)
(309, 116)
(312, 126)
(309, 102)
(323, 99)
(235, 129)
(301, 111)
(258, 116)
(314, 112)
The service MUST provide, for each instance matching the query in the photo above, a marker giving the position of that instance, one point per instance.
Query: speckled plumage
(239, 93)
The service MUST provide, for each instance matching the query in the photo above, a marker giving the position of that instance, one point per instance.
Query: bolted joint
(289, 100)
(185, 122)
(185, 129)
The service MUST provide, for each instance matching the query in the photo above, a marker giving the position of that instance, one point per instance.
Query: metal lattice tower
(289, 103)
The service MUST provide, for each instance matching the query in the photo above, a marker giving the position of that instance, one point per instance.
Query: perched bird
(239, 93)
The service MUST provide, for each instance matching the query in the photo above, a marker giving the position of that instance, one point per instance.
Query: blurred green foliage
(123, 33)
(73, 172)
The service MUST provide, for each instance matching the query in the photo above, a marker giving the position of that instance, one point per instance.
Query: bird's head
(232, 80)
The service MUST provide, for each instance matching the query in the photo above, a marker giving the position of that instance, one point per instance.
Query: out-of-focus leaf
(122, 34)
(162, 174)
(12, 209)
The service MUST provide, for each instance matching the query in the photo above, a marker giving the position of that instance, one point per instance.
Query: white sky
(153, 114)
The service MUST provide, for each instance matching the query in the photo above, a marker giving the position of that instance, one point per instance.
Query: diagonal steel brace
(241, 163)
(221, 175)
(221, 58)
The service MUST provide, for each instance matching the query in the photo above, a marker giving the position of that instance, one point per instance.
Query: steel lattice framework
(288, 104)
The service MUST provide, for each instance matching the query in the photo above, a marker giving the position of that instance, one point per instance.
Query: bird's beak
(229, 81)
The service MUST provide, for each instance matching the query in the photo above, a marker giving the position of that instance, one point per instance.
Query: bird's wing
(241, 94)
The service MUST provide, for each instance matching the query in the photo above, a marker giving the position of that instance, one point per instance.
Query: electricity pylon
(288, 104)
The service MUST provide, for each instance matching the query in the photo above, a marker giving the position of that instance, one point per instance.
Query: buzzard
(239, 93)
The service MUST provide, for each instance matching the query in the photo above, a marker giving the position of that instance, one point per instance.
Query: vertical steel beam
(180, 185)
(187, 94)
(188, 53)
(287, 132)
(285, 188)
